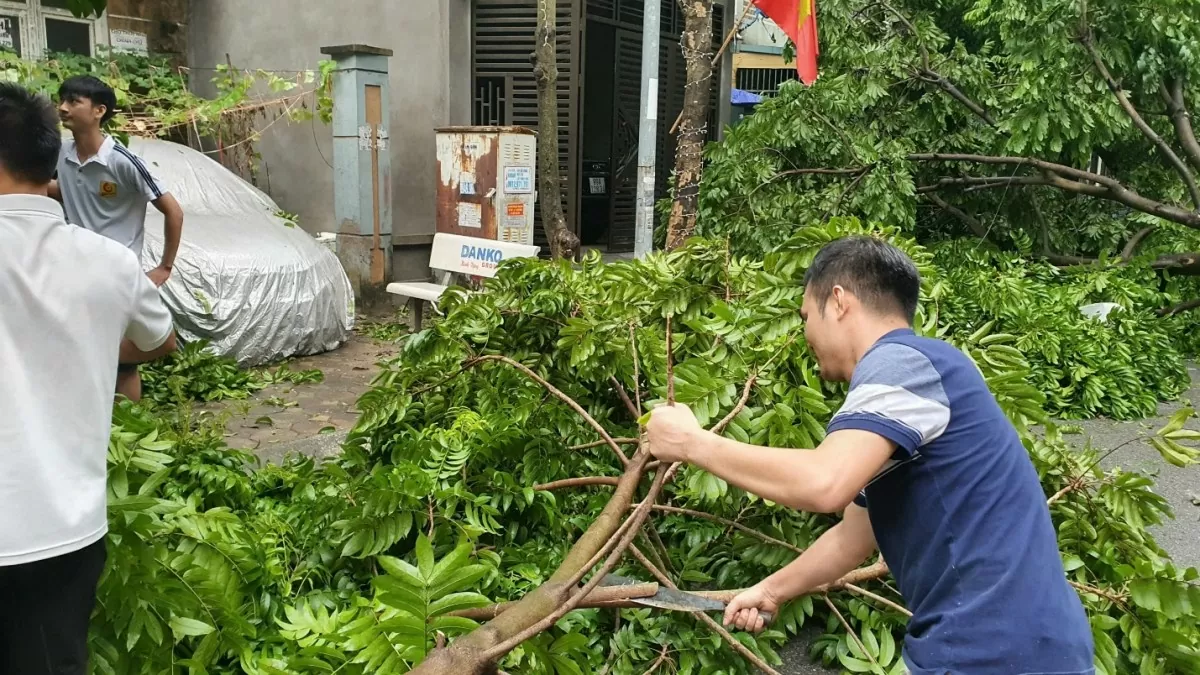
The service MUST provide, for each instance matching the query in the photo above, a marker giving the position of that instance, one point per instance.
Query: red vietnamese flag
(797, 18)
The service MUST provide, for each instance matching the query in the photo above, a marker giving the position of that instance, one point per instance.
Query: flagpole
(721, 52)
(643, 240)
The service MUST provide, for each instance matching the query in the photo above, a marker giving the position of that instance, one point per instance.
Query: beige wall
(430, 87)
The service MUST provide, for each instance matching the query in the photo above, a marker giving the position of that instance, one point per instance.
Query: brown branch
(617, 387)
(928, 74)
(585, 481)
(1182, 119)
(615, 548)
(1065, 178)
(637, 375)
(662, 658)
(846, 192)
(878, 598)
(972, 222)
(720, 630)
(1115, 87)
(596, 444)
(729, 523)
(1131, 246)
(599, 597)
(850, 630)
(670, 366)
(1067, 489)
(1107, 595)
(823, 171)
(861, 575)
(561, 396)
(1181, 307)
(474, 653)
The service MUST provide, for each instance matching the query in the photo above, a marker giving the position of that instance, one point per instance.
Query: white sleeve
(150, 322)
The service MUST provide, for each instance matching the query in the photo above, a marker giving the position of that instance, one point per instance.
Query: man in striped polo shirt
(105, 188)
(924, 466)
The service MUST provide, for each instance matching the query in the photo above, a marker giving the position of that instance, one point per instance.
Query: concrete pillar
(362, 183)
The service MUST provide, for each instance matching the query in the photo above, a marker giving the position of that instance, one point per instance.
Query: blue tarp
(743, 97)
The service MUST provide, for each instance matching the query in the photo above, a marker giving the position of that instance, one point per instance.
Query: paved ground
(313, 419)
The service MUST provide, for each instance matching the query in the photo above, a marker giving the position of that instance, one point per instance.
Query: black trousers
(46, 608)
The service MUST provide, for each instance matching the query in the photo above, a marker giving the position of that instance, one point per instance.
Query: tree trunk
(689, 165)
(563, 242)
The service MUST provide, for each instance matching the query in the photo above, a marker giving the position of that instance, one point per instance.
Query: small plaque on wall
(129, 41)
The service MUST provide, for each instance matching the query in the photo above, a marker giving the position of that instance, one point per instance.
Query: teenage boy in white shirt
(105, 188)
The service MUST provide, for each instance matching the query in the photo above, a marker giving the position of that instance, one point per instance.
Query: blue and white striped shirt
(961, 519)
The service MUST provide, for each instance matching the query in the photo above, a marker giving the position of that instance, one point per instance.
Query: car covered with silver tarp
(256, 286)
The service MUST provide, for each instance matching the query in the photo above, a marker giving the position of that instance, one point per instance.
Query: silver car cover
(257, 287)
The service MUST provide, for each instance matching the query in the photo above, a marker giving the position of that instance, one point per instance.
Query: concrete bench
(455, 254)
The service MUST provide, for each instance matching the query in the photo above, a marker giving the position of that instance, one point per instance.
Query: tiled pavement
(306, 417)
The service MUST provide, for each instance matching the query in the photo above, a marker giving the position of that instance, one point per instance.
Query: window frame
(32, 15)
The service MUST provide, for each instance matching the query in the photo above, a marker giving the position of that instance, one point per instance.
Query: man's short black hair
(91, 88)
(29, 136)
(882, 276)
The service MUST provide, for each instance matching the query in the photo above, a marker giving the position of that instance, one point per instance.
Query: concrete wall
(430, 87)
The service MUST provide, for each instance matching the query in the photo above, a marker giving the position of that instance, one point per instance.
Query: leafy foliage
(1120, 366)
(193, 373)
(156, 98)
(308, 569)
(852, 145)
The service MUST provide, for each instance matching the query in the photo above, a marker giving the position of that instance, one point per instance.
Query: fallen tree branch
(1182, 119)
(850, 630)
(615, 548)
(1166, 151)
(596, 444)
(476, 652)
(712, 623)
(599, 597)
(729, 523)
(1107, 595)
(585, 481)
(561, 396)
(878, 598)
(624, 397)
(1181, 307)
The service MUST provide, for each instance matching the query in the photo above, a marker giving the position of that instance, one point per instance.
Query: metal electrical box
(487, 182)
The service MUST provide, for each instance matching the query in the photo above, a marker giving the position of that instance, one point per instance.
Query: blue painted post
(362, 180)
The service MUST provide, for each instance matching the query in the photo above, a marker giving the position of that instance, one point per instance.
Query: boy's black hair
(29, 135)
(882, 276)
(93, 89)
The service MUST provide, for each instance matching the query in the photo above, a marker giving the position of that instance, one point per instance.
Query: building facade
(34, 28)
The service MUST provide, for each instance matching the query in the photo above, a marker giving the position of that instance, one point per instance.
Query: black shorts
(47, 606)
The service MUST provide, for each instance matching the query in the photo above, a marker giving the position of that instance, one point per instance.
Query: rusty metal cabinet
(487, 182)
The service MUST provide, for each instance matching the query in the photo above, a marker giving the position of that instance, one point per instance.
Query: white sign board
(518, 180)
(470, 215)
(129, 41)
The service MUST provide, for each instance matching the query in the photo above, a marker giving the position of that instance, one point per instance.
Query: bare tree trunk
(563, 242)
(689, 166)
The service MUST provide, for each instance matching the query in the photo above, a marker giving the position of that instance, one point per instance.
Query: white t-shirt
(108, 193)
(67, 298)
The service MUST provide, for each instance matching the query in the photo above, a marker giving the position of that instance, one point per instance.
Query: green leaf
(183, 627)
